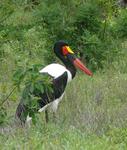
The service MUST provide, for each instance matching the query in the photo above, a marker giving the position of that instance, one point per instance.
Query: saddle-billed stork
(61, 75)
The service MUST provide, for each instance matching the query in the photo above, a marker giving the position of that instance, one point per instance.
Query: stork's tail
(21, 114)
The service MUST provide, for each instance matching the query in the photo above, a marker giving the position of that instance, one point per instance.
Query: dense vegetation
(90, 117)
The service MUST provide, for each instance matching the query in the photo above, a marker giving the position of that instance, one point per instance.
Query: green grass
(62, 137)
(92, 116)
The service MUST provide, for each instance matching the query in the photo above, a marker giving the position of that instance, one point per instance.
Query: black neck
(69, 66)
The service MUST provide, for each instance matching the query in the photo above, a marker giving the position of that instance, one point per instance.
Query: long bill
(82, 67)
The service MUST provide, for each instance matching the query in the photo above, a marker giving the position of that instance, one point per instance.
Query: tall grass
(92, 115)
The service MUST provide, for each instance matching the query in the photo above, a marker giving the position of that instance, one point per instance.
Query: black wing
(58, 87)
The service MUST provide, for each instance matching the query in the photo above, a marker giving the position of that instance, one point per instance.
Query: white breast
(56, 70)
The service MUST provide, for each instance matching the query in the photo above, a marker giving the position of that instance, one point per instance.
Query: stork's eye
(66, 50)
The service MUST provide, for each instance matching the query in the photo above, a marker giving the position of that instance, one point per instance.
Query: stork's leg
(54, 108)
(44, 108)
(46, 116)
(55, 117)
(28, 121)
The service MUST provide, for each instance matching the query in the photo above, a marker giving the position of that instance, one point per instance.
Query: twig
(8, 96)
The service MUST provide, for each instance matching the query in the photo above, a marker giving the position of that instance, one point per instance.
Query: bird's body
(61, 76)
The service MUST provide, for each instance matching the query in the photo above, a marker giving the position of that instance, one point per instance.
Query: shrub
(88, 18)
(121, 24)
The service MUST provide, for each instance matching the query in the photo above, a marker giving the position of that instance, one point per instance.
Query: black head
(58, 47)
(67, 56)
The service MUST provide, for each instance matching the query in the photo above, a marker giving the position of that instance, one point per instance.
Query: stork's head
(64, 52)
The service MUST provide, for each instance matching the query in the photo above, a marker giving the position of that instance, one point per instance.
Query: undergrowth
(92, 115)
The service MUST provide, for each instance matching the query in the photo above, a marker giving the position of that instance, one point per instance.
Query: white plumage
(56, 70)
(53, 105)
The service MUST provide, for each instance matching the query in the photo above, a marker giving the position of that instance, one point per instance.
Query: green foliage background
(94, 116)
